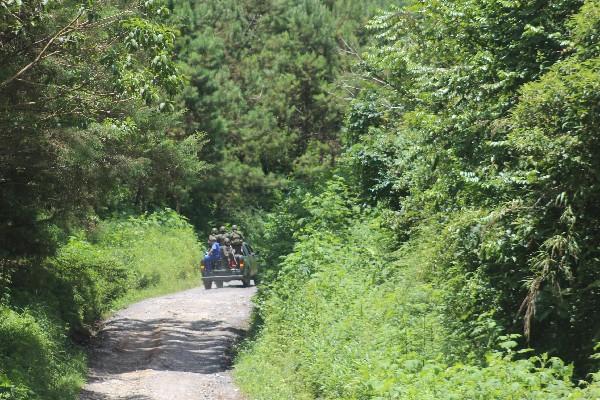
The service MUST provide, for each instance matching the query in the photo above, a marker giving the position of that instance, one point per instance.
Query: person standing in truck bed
(222, 235)
(212, 256)
(228, 252)
(237, 239)
(212, 237)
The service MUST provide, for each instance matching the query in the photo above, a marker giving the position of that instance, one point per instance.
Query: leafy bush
(90, 279)
(160, 251)
(36, 359)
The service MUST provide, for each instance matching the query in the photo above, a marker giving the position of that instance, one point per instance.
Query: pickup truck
(244, 268)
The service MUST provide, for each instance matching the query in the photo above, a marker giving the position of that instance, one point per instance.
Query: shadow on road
(175, 347)
(128, 345)
(87, 395)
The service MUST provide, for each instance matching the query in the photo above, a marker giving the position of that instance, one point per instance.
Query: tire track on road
(175, 347)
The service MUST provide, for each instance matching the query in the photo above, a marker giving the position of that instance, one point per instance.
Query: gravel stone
(176, 347)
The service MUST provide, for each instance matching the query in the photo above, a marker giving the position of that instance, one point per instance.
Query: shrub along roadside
(346, 318)
(488, 129)
(119, 261)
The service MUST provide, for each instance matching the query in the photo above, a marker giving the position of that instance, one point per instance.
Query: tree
(477, 118)
(81, 88)
(266, 87)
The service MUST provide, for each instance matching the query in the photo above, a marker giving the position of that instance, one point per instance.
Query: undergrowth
(350, 317)
(54, 304)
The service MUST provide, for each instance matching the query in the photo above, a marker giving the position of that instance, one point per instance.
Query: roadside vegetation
(94, 273)
(352, 315)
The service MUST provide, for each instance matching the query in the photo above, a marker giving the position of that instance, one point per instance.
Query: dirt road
(175, 347)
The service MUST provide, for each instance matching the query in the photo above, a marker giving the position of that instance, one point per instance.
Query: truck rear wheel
(219, 284)
(207, 284)
(246, 282)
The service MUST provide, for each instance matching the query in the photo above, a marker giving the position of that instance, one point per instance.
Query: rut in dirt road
(176, 347)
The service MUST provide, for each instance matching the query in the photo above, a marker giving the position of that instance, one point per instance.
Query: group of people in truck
(223, 245)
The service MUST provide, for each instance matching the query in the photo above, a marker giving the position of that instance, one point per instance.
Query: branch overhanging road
(176, 347)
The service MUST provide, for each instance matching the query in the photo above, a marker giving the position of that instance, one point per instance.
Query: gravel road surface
(176, 347)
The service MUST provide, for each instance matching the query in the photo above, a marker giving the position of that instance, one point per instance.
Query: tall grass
(161, 251)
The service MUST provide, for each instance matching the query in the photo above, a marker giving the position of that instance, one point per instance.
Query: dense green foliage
(268, 85)
(349, 317)
(82, 86)
(463, 232)
(118, 261)
(88, 130)
(493, 136)
(37, 361)
(476, 132)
